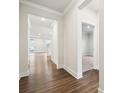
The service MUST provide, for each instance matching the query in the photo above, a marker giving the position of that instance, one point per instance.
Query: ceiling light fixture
(88, 26)
(43, 19)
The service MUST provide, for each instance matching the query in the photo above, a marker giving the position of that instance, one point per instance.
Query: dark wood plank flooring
(45, 78)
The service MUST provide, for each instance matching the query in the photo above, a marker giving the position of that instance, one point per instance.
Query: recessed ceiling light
(43, 19)
(88, 26)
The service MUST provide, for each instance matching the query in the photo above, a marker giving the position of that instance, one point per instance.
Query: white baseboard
(24, 74)
(96, 67)
(59, 66)
(100, 90)
(77, 76)
(53, 62)
(87, 69)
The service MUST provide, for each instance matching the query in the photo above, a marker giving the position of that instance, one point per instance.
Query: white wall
(90, 44)
(101, 47)
(23, 33)
(23, 43)
(87, 40)
(70, 41)
(54, 49)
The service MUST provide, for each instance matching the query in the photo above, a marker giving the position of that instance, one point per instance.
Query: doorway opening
(88, 36)
(88, 47)
(42, 42)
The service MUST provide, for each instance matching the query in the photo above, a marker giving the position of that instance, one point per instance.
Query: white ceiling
(37, 21)
(58, 5)
(94, 5)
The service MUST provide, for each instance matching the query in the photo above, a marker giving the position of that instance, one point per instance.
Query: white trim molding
(73, 2)
(95, 67)
(100, 90)
(84, 3)
(40, 7)
(24, 74)
(59, 66)
(77, 76)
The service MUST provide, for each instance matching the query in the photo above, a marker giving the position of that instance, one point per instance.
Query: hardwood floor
(45, 78)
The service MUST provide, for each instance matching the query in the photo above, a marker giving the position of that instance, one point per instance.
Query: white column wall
(101, 48)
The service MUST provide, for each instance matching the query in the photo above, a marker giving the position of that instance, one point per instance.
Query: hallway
(45, 78)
